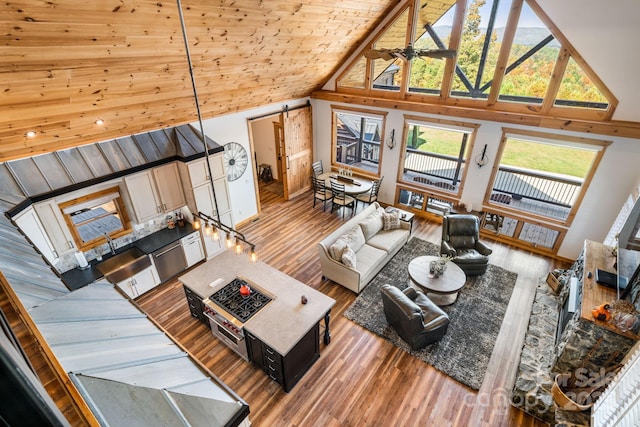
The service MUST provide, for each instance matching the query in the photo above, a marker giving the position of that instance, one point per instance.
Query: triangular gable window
(509, 57)
(577, 88)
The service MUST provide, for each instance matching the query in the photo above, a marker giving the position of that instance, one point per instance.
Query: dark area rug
(475, 318)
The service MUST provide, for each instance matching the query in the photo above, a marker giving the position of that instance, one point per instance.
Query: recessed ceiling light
(99, 122)
(30, 134)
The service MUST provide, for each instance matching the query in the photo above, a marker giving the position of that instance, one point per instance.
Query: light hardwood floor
(360, 379)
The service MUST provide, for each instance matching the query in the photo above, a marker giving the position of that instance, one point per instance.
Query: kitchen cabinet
(155, 191)
(192, 247)
(195, 306)
(169, 186)
(201, 194)
(199, 173)
(32, 227)
(55, 226)
(286, 369)
(141, 282)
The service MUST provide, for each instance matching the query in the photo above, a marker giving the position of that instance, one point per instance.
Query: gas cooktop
(240, 306)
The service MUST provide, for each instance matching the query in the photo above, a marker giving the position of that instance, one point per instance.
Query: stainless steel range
(230, 307)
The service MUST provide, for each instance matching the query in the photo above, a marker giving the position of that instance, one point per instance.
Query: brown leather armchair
(414, 316)
(460, 240)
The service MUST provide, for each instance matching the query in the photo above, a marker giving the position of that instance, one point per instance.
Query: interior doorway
(283, 152)
(267, 153)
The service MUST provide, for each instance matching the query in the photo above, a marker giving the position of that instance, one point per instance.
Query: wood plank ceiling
(65, 64)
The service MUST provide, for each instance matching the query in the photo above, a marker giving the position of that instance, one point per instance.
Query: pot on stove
(245, 290)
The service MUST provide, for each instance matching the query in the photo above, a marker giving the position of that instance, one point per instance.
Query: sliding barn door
(298, 151)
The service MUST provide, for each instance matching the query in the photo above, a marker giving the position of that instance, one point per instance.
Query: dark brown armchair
(460, 240)
(414, 316)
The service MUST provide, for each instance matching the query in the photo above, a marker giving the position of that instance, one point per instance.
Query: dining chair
(371, 195)
(341, 199)
(317, 168)
(321, 192)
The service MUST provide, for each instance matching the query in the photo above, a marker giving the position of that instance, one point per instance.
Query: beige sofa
(373, 240)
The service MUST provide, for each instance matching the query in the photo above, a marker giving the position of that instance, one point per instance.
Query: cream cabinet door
(142, 282)
(198, 172)
(169, 187)
(145, 199)
(146, 280)
(217, 166)
(204, 199)
(192, 247)
(55, 226)
(31, 226)
(222, 195)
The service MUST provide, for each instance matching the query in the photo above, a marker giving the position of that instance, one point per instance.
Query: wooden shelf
(598, 255)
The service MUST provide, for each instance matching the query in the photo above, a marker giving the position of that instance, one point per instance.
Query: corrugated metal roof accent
(10, 192)
(166, 146)
(24, 178)
(148, 147)
(97, 331)
(114, 155)
(24, 268)
(120, 404)
(29, 176)
(76, 165)
(53, 170)
(189, 141)
(128, 370)
(95, 160)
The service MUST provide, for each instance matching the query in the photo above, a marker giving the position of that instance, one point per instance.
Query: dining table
(352, 185)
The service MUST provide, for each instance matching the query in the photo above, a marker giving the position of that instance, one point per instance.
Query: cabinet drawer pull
(269, 350)
(270, 359)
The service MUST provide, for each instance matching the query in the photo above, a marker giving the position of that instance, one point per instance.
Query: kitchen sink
(124, 265)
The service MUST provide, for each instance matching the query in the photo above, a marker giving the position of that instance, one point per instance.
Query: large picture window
(541, 175)
(436, 154)
(357, 140)
(94, 216)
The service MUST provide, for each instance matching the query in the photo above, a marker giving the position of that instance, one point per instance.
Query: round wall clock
(235, 159)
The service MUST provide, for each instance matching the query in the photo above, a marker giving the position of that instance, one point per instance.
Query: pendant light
(212, 225)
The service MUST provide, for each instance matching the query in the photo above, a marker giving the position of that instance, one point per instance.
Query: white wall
(264, 143)
(615, 178)
(235, 127)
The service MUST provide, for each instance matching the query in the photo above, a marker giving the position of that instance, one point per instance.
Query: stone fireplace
(585, 346)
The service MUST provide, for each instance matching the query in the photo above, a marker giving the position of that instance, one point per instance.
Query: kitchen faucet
(112, 246)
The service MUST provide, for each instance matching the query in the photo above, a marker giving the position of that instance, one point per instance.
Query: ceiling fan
(409, 53)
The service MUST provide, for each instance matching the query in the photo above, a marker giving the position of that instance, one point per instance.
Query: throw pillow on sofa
(372, 224)
(391, 220)
(354, 239)
(349, 257)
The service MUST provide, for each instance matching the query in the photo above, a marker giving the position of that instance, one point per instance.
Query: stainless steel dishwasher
(169, 260)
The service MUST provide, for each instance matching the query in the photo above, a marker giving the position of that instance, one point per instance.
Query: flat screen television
(628, 261)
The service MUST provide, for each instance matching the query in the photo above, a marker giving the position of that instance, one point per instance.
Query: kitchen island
(283, 336)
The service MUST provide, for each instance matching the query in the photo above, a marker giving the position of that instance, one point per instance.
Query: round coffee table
(442, 290)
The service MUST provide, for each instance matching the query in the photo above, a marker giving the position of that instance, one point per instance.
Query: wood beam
(611, 128)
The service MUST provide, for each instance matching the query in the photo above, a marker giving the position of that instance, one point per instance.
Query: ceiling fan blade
(436, 53)
(386, 54)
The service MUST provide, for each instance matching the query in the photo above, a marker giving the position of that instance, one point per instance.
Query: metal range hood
(66, 170)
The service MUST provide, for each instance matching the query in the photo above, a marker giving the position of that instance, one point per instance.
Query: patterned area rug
(475, 318)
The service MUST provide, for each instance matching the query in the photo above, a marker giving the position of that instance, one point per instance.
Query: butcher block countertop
(285, 320)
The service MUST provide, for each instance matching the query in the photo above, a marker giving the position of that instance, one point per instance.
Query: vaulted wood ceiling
(65, 64)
